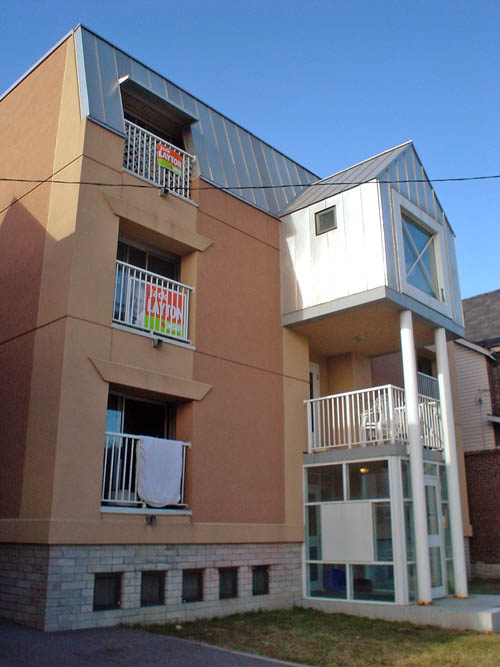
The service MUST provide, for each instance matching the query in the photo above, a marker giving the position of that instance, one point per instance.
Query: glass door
(435, 537)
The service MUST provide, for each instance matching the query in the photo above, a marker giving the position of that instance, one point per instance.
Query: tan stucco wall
(29, 119)
(348, 372)
(243, 477)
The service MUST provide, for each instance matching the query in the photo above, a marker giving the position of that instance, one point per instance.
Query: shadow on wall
(22, 243)
(289, 281)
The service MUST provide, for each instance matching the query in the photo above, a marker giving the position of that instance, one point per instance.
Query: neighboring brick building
(478, 380)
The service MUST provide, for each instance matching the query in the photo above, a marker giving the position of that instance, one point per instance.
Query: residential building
(210, 396)
(478, 387)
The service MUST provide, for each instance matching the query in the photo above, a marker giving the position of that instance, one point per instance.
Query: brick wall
(53, 587)
(483, 486)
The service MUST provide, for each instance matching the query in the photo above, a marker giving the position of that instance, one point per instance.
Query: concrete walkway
(23, 647)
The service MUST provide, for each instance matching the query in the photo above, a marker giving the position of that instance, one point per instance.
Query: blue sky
(328, 83)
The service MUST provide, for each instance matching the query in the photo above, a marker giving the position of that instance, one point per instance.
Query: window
(228, 582)
(260, 580)
(162, 263)
(127, 420)
(420, 256)
(369, 479)
(139, 417)
(325, 220)
(148, 295)
(107, 591)
(152, 588)
(324, 483)
(192, 585)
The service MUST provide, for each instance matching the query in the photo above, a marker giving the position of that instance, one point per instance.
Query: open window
(148, 295)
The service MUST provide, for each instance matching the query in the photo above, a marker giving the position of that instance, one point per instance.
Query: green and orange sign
(170, 159)
(165, 311)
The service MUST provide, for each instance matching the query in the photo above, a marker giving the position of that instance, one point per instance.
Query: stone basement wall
(483, 488)
(52, 587)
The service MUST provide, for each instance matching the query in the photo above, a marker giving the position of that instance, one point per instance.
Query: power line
(181, 188)
(456, 179)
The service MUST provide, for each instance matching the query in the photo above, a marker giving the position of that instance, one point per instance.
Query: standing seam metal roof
(228, 155)
(346, 179)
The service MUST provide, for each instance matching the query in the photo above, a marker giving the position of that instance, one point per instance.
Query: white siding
(472, 384)
(345, 261)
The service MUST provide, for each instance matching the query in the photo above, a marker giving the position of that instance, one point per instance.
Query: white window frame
(443, 303)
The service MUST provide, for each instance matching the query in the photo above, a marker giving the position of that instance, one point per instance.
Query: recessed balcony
(157, 161)
(151, 303)
(120, 480)
(373, 416)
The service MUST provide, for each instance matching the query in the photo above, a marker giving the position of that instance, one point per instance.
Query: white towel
(159, 471)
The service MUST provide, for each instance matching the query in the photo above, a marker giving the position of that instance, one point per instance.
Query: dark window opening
(228, 582)
(164, 264)
(107, 591)
(260, 580)
(152, 589)
(192, 585)
(126, 420)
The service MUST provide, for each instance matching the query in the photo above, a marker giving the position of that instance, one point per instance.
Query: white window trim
(437, 230)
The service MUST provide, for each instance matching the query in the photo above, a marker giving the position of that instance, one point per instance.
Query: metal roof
(346, 179)
(228, 155)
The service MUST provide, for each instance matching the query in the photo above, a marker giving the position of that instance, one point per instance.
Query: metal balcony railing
(119, 479)
(144, 154)
(150, 302)
(428, 385)
(373, 416)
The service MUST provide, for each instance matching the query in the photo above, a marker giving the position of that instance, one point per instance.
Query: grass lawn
(315, 638)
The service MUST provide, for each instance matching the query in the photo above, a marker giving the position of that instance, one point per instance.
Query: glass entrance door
(435, 537)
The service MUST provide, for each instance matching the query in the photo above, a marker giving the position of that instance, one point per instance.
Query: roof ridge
(368, 159)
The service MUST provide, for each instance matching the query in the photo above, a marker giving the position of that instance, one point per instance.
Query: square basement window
(325, 220)
(228, 582)
(107, 590)
(192, 585)
(152, 589)
(260, 580)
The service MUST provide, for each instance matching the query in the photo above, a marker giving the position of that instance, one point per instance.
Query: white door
(313, 380)
(435, 536)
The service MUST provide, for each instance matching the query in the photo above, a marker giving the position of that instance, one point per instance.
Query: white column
(450, 457)
(398, 531)
(416, 459)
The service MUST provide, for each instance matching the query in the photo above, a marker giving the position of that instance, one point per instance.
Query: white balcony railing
(428, 385)
(140, 157)
(369, 417)
(119, 479)
(150, 302)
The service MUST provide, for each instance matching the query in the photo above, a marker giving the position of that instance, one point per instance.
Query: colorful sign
(170, 159)
(165, 310)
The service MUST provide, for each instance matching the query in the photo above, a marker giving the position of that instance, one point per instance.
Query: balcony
(120, 479)
(374, 416)
(145, 155)
(151, 303)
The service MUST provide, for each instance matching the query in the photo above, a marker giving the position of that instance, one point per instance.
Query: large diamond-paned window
(420, 257)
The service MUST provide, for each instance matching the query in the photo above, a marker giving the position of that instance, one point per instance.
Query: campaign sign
(164, 311)
(170, 159)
